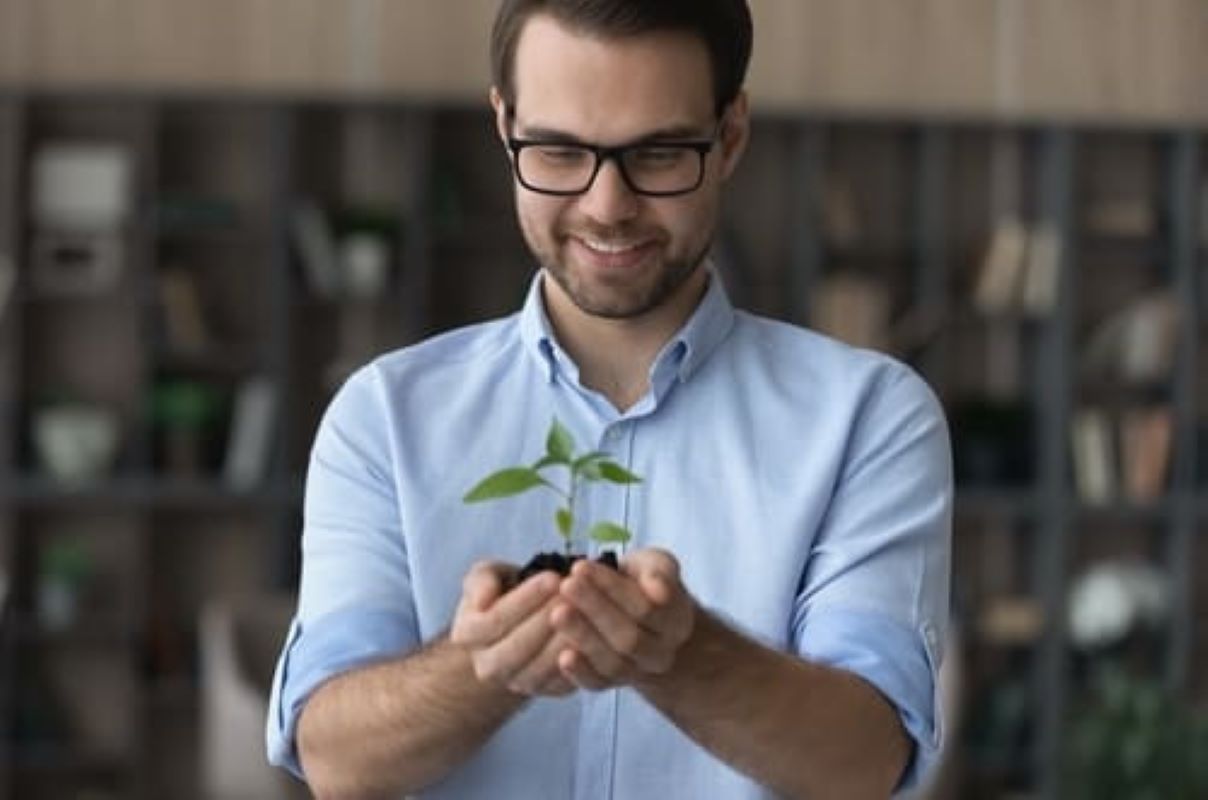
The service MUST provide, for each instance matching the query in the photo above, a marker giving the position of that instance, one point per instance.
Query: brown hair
(723, 25)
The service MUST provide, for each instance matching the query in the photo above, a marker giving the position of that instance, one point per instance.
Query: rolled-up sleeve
(355, 602)
(874, 600)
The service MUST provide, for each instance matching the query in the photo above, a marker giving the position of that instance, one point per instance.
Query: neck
(614, 356)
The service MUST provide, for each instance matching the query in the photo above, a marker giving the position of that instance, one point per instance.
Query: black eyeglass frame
(616, 153)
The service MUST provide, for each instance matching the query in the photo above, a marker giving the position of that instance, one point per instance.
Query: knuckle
(488, 668)
(628, 642)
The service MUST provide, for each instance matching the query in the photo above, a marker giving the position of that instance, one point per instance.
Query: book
(853, 309)
(316, 250)
(1146, 435)
(251, 436)
(1042, 275)
(184, 319)
(1094, 456)
(999, 281)
(1137, 343)
(1010, 620)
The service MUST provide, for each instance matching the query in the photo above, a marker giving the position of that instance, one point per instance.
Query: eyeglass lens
(657, 169)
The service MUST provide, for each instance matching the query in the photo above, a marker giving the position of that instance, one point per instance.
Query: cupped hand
(622, 625)
(508, 633)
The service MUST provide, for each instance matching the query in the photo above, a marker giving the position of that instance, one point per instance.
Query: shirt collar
(690, 347)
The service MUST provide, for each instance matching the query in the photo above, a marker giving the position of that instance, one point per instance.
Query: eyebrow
(669, 133)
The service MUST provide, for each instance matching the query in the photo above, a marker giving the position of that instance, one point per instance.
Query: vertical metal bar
(1054, 357)
(806, 198)
(145, 251)
(12, 128)
(283, 539)
(417, 224)
(1183, 170)
(12, 134)
(930, 303)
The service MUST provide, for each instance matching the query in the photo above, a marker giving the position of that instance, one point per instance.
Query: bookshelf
(274, 241)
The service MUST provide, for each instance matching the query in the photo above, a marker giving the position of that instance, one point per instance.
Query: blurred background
(211, 212)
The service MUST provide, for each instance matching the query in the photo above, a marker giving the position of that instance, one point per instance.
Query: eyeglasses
(653, 168)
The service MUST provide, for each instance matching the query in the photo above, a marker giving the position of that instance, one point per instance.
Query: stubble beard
(616, 302)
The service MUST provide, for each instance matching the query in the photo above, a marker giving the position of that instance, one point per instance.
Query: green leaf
(565, 521)
(546, 461)
(609, 532)
(588, 466)
(559, 444)
(615, 473)
(505, 483)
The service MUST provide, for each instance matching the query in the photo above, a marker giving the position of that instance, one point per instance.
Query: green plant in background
(185, 405)
(1135, 742)
(560, 454)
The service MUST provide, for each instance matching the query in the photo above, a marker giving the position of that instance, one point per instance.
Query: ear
(501, 114)
(735, 133)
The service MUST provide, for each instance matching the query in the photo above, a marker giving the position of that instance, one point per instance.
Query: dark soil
(560, 563)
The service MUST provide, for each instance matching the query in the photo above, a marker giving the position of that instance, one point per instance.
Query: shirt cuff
(315, 652)
(902, 665)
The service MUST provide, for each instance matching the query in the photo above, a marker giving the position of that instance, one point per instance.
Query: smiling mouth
(614, 252)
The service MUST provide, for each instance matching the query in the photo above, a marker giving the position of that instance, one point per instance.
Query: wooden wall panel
(865, 55)
(14, 55)
(441, 51)
(1105, 58)
(1142, 60)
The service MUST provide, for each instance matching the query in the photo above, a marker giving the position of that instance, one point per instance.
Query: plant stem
(569, 544)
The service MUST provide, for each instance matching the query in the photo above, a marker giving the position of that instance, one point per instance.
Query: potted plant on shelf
(560, 456)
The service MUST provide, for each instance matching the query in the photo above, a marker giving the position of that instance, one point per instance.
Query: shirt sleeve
(355, 602)
(874, 599)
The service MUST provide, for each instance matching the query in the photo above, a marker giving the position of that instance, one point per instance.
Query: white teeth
(611, 247)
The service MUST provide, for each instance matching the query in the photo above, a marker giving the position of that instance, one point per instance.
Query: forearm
(802, 729)
(398, 726)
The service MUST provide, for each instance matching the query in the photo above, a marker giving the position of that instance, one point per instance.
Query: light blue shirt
(804, 486)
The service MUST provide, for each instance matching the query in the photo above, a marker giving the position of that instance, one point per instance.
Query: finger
(556, 686)
(576, 669)
(604, 661)
(623, 634)
(541, 664)
(649, 561)
(622, 590)
(485, 583)
(485, 628)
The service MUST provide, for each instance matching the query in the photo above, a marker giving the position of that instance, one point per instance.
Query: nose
(609, 200)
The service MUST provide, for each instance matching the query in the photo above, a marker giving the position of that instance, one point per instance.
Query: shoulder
(442, 364)
(462, 348)
(800, 357)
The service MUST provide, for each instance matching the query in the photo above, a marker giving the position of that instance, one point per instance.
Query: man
(774, 627)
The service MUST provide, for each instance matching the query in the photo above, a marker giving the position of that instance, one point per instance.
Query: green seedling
(560, 455)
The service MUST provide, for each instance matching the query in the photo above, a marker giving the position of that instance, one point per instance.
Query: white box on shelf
(81, 186)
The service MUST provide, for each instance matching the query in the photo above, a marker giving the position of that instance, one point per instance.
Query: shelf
(232, 238)
(1003, 502)
(1127, 510)
(1147, 249)
(35, 493)
(222, 360)
(91, 633)
(62, 760)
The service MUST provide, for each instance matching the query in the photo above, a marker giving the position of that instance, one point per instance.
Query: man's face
(612, 252)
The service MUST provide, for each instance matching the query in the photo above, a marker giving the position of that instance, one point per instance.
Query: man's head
(623, 119)
(724, 26)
